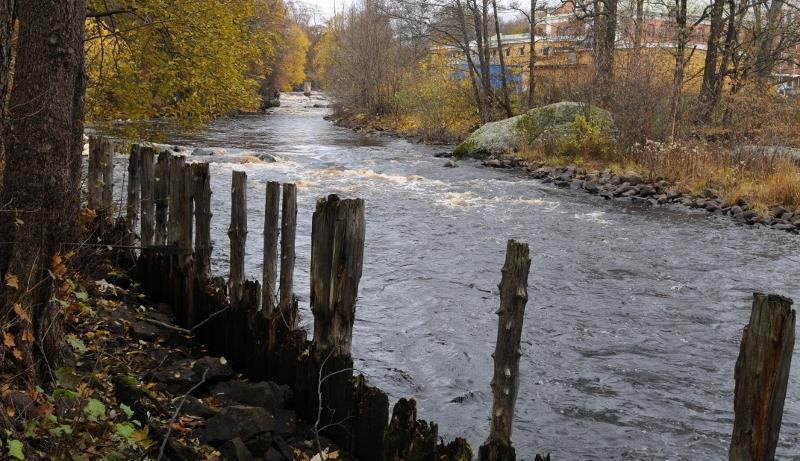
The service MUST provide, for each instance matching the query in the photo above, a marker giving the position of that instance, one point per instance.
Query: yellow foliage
(188, 60)
(292, 63)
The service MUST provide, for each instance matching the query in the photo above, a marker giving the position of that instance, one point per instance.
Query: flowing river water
(634, 316)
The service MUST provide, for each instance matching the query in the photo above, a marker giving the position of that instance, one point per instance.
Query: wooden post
(287, 306)
(132, 204)
(337, 252)
(162, 198)
(505, 383)
(269, 280)
(238, 235)
(175, 204)
(147, 180)
(186, 209)
(202, 213)
(101, 155)
(762, 375)
(108, 175)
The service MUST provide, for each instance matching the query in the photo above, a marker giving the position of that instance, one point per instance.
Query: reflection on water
(634, 318)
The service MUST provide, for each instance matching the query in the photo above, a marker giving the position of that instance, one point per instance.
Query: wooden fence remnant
(186, 210)
(762, 376)
(202, 212)
(175, 190)
(162, 197)
(134, 187)
(288, 314)
(101, 173)
(337, 253)
(505, 383)
(269, 278)
(147, 192)
(237, 232)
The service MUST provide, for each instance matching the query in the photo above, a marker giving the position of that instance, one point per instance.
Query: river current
(634, 316)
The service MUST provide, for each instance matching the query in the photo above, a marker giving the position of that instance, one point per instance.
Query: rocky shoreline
(638, 189)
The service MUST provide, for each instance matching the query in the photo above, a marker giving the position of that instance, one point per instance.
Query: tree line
(744, 44)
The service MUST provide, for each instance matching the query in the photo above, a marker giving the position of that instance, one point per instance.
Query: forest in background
(421, 68)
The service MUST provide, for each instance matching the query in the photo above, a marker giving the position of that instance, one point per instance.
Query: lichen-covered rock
(546, 124)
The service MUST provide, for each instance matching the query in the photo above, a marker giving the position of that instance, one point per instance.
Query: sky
(325, 7)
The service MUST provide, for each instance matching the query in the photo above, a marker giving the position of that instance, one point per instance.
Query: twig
(185, 330)
(177, 412)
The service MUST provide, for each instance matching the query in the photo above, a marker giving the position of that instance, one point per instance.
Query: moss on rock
(546, 125)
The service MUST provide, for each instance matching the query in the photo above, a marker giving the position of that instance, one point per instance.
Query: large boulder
(541, 125)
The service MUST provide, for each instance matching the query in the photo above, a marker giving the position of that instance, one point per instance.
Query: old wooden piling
(134, 187)
(202, 213)
(237, 232)
(186, 210)
(505, 383)
(162, 197)
(147, 190)
(337, 252)
(101, 173)
(762, 375)
(288, 313)
(175, 188)
(269, 278)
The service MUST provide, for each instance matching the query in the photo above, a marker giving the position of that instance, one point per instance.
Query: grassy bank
(757, 178)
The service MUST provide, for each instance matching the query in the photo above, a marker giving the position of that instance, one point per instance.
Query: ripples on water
(634, 314)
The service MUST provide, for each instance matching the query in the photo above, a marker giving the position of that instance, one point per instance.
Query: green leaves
(76, 343)
(95, 410)
(15, 449)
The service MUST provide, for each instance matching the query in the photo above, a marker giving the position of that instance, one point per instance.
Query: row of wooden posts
(255, 323)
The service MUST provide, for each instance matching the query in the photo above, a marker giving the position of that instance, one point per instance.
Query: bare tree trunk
(765, 57)
(637, 36)
(476, 90)
(8, 16)
(503, 79)
(606, 42)
(41, 184)
(706, 103)
(532, 58)
(680, 64)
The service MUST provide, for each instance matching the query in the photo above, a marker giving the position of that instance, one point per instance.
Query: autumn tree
(187, 60)
(40, 190)
(8, 18)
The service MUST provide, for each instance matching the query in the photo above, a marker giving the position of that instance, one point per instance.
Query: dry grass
(760, 179)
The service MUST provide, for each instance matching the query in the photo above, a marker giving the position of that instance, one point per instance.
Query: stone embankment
(639, 189)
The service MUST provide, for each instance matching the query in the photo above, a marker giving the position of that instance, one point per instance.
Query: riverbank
(134, 385)
(399, 126)
(617, 184)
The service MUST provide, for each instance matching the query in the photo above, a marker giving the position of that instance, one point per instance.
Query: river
(634, 316)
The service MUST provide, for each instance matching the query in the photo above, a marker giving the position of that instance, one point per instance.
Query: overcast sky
(325, 7)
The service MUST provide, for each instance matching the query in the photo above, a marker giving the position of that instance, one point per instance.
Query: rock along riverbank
(636, 188)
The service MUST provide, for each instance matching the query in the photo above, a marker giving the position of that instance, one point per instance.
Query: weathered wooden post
(505, 383)
(202, 213)
(147, 181)
(287, 305)
(132, 204)
(186, 209)
(762, 375)
(337, 253)
(238, 235)
(269, 281)
(101, 172)
(162, 197)
(175, 189)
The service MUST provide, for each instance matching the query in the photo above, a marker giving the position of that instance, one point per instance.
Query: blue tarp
(495, 75)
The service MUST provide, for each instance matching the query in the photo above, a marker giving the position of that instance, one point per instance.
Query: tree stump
(337, 253)
(237, 232)
(147, 180)
(505, 383)
(162, 197)
(762, 375)
(202, 213)
(269, 278)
